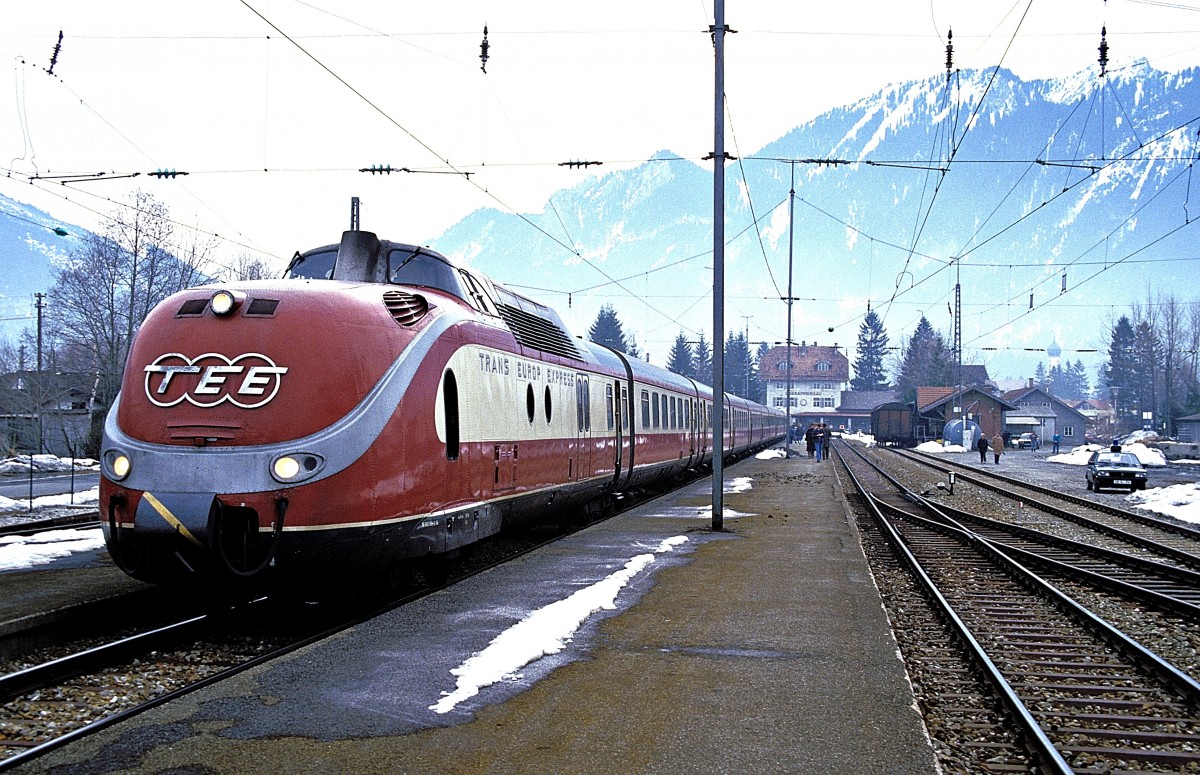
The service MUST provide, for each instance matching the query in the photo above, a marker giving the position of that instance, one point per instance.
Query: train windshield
(317, 265)
(412, 267)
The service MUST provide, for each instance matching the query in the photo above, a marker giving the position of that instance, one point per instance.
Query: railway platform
(761, 648)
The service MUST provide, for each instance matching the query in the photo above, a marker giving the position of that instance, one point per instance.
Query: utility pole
(962, 404)
(718, 478)
(791, 241)
(37, 392)
(40, 304)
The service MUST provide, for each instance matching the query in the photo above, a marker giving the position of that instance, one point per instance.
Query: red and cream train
(377, 404)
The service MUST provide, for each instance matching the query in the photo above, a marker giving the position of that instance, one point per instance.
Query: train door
(617, 397)
(689, 419)
(580, 465)
(625, 423)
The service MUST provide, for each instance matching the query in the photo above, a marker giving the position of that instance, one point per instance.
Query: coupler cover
(188, 514)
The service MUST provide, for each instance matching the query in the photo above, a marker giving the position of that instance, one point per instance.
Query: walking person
(826, 441)
(1056, 439)
(810, 440)
(819, 441)
(982, 446)
(997, 447)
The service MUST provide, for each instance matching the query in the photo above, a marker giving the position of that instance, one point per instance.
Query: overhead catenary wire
(958, 161)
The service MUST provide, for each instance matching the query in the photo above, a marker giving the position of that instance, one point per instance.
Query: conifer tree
(702, 365)
(869, 373)
(680, 359)
(1121, 373)
(738, 368)
(926, 362)
(607, 330)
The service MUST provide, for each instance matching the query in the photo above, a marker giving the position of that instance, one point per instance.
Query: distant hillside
(29, 250)
(1035, 198)
(876, 215)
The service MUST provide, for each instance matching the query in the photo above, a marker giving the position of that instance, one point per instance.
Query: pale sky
(272, 106)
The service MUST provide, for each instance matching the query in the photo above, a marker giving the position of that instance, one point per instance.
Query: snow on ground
(937, 447)
(739, 484)
(19, 552)
(84, 498)
(1138, 436)
(705, 512)
(1181, 501)
(769, 454)
(44, 463)
(545, 631)
(865, 439)
(1079, 455)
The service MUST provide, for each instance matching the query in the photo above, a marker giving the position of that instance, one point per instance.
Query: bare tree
(246, 267)
(1171, 324)
(100, 298)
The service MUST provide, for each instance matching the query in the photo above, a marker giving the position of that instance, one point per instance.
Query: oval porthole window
(529, 402)
(547, 404)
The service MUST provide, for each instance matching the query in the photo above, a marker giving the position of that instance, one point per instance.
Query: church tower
(1053, 352)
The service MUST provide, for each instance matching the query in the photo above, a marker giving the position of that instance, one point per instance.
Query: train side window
(645, 409)
(587, 406)
(548, 414)
(654, 411)
(579, 404)
(624, 408)
(479, 297)
(674, 413)
(608, 406)
(450, 407)
(530, 403)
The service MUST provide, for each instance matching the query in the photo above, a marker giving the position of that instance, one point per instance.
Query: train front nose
(179, 534)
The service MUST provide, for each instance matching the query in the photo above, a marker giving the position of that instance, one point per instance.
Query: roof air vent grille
(538, 333)
(192, 307)
(405, 308)
(262, 307)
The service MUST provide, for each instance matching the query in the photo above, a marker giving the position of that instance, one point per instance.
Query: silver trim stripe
(244, 469)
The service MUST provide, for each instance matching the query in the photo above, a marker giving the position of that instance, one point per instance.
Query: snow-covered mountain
(1022, 180)
(1080, 183)
(29, 251)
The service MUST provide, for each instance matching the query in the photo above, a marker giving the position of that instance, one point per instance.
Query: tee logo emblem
(249, 380)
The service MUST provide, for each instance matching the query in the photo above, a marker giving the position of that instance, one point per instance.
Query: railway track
(1171, 539)
(1073, 689)
(54, 701)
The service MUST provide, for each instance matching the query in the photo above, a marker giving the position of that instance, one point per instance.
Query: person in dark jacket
(810, 440)
(982, 445)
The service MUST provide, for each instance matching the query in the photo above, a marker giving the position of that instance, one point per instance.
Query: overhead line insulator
(1103, 52)
(483, 51)
(165, 173)
(949, 53)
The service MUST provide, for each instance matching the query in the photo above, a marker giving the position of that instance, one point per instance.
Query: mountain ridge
(1048, 185)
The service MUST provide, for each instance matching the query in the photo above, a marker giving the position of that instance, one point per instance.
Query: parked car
(1024, 441)
(1115, 470)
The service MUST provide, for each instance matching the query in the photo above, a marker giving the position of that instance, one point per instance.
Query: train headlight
(117, 464)
(296, 467)
(224, 302)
